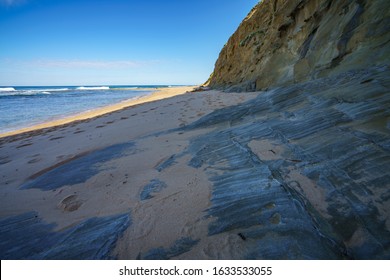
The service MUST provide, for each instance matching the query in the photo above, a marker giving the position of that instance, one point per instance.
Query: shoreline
(200, 175)
(156, 94)
(122, 176)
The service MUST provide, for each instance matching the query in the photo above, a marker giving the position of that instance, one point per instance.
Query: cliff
(282, 42)
(318, 130)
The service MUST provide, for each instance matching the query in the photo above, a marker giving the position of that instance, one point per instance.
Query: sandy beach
(158, 94)
(282, 154)
(172, 209)
(205, 175)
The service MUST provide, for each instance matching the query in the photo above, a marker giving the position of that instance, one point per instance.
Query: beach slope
(296, 168)
(298, 172)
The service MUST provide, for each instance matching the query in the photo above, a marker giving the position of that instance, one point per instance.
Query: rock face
(282, 42)
(301, 171)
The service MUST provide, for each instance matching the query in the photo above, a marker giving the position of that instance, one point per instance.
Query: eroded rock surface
(282, 42)
(328, 195)
(26, 236)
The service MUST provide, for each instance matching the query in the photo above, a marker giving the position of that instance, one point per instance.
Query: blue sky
(103, 42)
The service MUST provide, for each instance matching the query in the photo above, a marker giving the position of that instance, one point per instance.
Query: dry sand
(177, 210)
(156, 95)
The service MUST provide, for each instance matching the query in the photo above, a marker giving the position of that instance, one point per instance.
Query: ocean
(22, 107)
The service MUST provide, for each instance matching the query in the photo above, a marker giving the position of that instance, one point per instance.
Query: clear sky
(103, 42)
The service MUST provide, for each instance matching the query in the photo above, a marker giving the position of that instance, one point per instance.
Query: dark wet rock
(154, 186)
(77, 170)
(200, 88)
(336, 132)
(244, 187)
(26, 236)
(181, 246)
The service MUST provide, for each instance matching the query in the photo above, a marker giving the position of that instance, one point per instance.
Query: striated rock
(27, 236)
(77, 169)
(305, 164)
(302, 171)
(282, 42)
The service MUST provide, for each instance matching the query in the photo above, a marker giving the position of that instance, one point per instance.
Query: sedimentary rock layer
(283, 42)
(322, 188)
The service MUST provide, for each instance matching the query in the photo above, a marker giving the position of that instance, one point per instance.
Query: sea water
(22, 107)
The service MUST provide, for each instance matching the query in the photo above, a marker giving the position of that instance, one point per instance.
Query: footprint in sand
(70, 203)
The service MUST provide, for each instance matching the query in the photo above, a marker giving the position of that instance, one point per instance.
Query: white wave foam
(93, 88)
(12, 91)
(7, 89)
(55, 89)
(124, 88)
(29, 92)
(42, 91)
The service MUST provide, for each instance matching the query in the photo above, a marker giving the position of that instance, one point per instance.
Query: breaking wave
(7, 89)
(93, 88)
(11, 91)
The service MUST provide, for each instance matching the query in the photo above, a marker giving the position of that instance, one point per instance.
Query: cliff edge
(282, 42)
